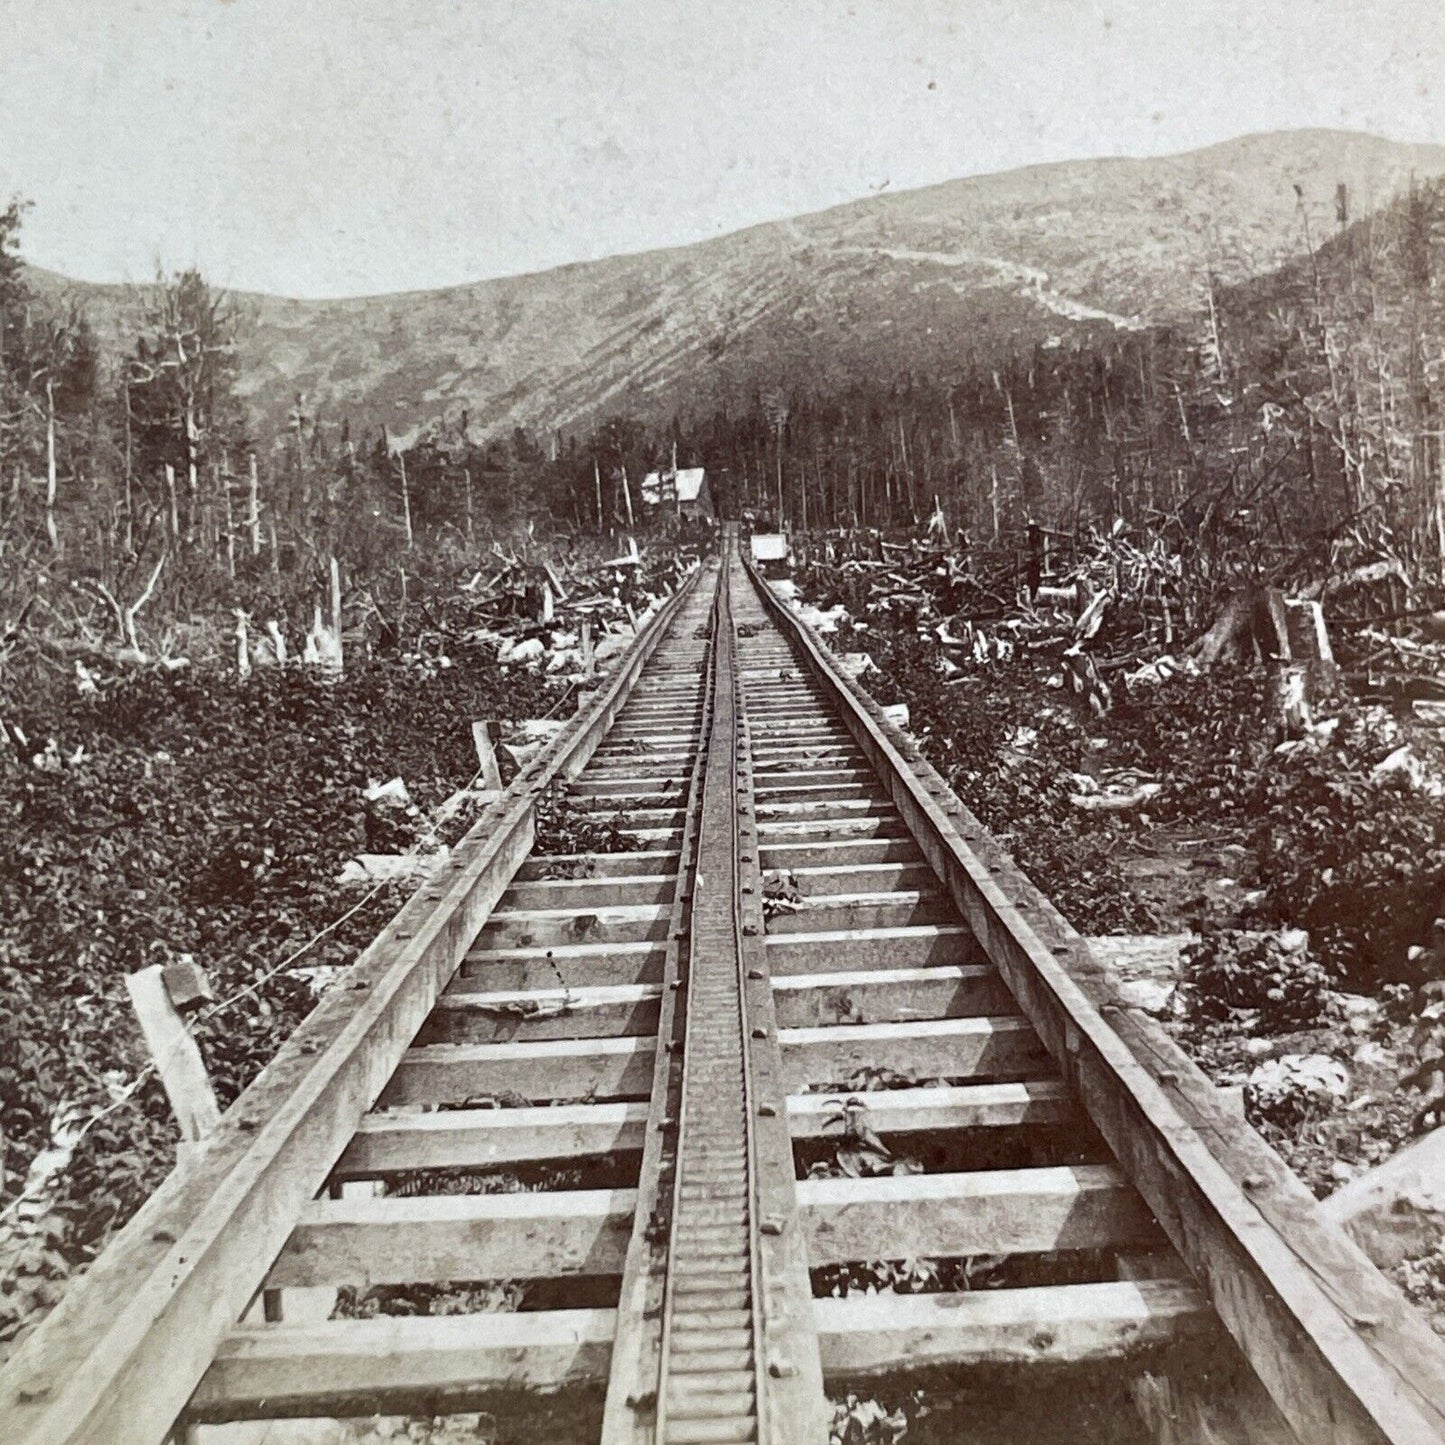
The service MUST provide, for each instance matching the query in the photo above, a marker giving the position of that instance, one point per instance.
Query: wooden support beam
(430, 1239)
(468, 1017)
(525, 970)
(175, 1054)
(825, 810)
(935, 1049)
(828, 830)
(549, 1069)
(1086, 1324)
(570, 958)
(836, 949)
(396, 1142)
(400, 1365)
(937, 1110)
(549, 927)
(904, 908)
(987, 1211)
(889, 995)
(824, 881)
(428, 1364)
(485, 734)
(842, 854)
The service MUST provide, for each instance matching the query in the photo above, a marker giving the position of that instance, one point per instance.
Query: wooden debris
(175, 1054)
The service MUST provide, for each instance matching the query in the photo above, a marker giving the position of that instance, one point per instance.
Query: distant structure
(687, 490)
(772, 552)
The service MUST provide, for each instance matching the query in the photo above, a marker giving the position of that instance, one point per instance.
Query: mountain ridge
(973, 267)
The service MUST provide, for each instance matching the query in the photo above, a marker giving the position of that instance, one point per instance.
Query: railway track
(808, 953)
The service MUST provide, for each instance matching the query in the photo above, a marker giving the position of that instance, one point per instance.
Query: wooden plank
(428, 1364)
(584, 893)
(901, 909)
(606, 782)
(844, 853)
(397, 1141)
(554, 867)
(120, 1354)
(1076, 1324)
(529, 969)
(1340, 1352)
(796, 791)
(825, 809)
(422, 1365)
(477, 959)
(393, 1142)
(549, 927)
(175, 1054)
(470, 1017)
(889, 995)
(569, 1069)
(830, 830)
(986, 1211)
(833, 949)
(934, 1049)
(815, 881)
(937, 1110)
(431, 1239)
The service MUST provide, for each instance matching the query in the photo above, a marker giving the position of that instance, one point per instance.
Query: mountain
(893, 285)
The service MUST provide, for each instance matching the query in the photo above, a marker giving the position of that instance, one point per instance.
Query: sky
(348, 147)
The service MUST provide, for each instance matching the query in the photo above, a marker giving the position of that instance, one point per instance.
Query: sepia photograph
(722, 723)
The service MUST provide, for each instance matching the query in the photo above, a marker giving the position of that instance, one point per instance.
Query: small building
(687, 489)
(771, 552)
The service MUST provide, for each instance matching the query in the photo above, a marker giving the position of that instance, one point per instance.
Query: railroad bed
(606, 1079)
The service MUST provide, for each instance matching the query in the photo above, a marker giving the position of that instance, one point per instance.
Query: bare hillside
(890, 285)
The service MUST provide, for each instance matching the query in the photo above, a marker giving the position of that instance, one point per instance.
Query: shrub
(1229, 971)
